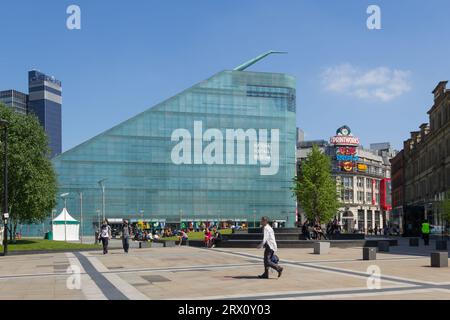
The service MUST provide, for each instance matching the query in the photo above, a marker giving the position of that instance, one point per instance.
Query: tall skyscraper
(16, 100)
(45, 102)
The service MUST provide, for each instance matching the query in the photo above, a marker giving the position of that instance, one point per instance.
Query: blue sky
(130, 55)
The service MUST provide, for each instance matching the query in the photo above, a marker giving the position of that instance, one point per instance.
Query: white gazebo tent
(65, 227)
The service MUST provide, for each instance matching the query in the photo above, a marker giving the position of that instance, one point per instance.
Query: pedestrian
(105, 235)
(305, 230)
(270, 247)
(182, 236)
(426, 232)
(126, 233)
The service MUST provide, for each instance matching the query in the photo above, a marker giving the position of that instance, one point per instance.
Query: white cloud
(381, 83)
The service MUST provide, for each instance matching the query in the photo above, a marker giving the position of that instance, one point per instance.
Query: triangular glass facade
(136, 157)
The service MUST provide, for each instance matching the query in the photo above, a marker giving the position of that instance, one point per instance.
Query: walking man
(126, 233)
(270, 247)
(105, 235)
(426, 232)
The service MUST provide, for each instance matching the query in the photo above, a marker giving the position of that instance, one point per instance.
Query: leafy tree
(315, 187)
(32, 184)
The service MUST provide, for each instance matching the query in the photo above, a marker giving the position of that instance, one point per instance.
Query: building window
(360, 182)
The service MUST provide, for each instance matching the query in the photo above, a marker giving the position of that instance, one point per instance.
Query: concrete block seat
(369, 253)
(439, 259)
(321, 247)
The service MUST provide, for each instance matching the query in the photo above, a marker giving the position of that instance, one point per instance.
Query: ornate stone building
(362, 179)
(425, 166)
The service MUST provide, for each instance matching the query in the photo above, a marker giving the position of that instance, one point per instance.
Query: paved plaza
(197, 273)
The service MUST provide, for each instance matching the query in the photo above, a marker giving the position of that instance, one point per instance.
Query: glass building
(14, 99)
(45, 102)
(147, 176)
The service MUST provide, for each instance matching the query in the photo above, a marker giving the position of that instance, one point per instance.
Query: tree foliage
(315, 187)
(32, 184)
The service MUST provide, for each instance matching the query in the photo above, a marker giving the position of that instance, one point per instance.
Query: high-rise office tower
(45, 102)
(16, 100)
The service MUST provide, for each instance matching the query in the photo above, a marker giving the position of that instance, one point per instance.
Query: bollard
(369, 253)
(321, 247)
(439, 259)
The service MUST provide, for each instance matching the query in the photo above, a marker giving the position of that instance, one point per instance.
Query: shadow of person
(242, 277)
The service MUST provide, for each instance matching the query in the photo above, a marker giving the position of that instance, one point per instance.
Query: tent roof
(64, 216)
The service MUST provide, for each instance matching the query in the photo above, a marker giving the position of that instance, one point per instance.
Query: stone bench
(144, 244)
(414, 242)
(321, 247)
(439, 259)
(369, 253)
(183, 243)
(441, 245)
(383, 246)
(169, 243)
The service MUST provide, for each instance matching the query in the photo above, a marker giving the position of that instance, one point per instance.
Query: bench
(183, 243)
(439, 259)
(414, 242)
(144, 244)
(441, 245)
(383, 246)
(169, 243)
(369, 253)
(321, 247)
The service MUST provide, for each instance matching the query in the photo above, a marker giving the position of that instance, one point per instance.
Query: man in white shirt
(270, 247)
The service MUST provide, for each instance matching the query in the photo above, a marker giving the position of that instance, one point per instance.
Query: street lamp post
(102, 186)
(81, 215)
(64, 197)
(5, 124)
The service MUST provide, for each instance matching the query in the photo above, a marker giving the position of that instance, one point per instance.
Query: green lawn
(199, 235)
(41, 244)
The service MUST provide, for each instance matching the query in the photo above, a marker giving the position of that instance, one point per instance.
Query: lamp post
(81, 214)
(102, 186)
(64, 197)
(5, 124)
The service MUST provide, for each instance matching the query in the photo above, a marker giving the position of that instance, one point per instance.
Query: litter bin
(48, 235)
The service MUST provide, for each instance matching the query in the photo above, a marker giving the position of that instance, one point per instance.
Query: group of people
(313, 230)
(212, 236)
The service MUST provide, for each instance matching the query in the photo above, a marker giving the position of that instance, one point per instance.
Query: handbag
(275, 259)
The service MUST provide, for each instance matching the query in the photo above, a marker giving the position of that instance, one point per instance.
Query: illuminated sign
(344, 141)
(347, 166)
(362, 167)
(346, 154)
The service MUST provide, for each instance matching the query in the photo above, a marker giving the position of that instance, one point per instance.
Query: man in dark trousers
(105, 235)
(270, 247)
(126, 233)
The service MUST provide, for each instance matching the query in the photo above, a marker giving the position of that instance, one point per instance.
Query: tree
(315, 187)
(32, 184)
